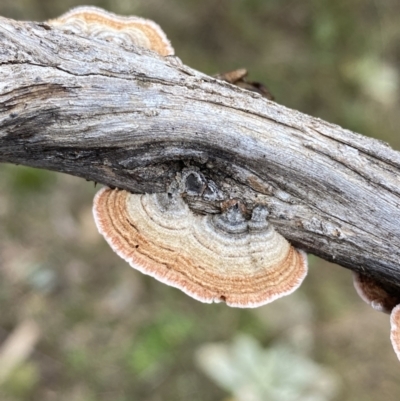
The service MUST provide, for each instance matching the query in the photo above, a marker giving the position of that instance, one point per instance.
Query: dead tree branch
(128, 118)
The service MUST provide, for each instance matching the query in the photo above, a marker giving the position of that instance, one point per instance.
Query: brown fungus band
(212, 258)
(373, 294)
(101, 24)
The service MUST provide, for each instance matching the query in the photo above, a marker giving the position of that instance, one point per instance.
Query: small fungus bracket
(239, 78)
(373, 294)
(123, 31)
(395, 330)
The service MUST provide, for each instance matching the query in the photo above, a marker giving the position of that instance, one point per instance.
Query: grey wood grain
(128, 118)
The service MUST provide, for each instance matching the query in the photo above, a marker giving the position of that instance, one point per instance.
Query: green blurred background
(95, 329)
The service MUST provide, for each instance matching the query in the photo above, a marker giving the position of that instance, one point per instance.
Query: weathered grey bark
(131, 119)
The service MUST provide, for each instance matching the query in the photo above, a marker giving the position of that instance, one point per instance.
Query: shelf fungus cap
(395, 330)
(212, 258)
(99, 23)
(373, 294)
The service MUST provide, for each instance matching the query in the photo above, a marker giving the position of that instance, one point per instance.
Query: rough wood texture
(128, 118)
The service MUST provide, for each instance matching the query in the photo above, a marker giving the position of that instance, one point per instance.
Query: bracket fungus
(395, 330)
(239, 78)
(213, 258)
(99, 23)
(373, 294)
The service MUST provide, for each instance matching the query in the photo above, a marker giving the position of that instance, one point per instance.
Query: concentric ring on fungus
(212, 258)
(99, 23)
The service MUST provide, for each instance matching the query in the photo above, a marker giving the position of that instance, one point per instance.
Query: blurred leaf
(251, 373)
(378, 79)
